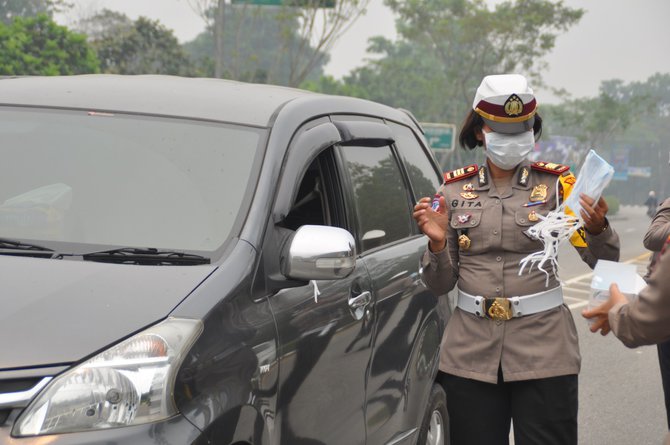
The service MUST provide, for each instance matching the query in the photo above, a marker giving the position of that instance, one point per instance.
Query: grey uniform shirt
(535, 346)
(657, 234)
(646, 320)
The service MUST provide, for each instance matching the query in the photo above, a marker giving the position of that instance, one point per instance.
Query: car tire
(435, 424)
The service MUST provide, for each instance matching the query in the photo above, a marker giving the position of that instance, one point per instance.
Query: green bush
(613, 204)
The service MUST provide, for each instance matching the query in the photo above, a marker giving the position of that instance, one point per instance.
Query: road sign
(439, 136)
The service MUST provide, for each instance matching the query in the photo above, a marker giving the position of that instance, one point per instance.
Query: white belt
(518, 306)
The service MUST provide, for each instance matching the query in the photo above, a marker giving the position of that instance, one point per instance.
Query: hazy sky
(622, 39)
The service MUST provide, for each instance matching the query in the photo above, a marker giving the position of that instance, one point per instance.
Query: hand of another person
(593, 215)
(600, 314)
(433, 224)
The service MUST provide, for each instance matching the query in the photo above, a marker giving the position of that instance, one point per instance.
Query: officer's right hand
(433, 224)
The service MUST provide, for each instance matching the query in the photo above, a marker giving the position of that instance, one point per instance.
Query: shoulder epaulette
(550, 167)
(460, 173)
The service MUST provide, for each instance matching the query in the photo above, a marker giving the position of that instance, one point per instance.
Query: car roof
(199, 98)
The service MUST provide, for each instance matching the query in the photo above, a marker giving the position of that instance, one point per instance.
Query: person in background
(510, 350)
(644, 320)
(654, 239)
(651, 203)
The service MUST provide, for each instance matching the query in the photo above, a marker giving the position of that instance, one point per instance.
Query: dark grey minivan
(198, 261)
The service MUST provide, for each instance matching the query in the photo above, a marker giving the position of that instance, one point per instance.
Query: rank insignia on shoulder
(550, 167)
(460, 173)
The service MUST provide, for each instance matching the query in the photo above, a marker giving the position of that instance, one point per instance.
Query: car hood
(60, 311)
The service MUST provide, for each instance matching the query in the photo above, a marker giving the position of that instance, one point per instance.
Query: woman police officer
(510, 349)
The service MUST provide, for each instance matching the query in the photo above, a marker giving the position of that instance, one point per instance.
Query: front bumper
(174, 431)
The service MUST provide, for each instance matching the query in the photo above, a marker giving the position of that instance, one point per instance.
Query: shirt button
(522, 220)
(499, 258)
(498, 289)
(495, 232)
(473, 222)
(497, 201)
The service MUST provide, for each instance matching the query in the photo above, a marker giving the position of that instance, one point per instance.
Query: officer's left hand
(600, 314)
(593, 215)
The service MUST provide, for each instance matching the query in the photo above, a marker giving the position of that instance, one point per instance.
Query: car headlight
(129, 384)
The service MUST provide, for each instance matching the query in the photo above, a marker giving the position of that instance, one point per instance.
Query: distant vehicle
(198, 261)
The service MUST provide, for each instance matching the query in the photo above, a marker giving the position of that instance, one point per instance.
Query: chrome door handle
(357, 304)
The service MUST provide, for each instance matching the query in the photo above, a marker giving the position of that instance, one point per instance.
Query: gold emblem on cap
(532, 216)
(539, 193)
(513, 105)
(464, 242)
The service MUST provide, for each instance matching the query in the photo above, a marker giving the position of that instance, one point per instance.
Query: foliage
(38, 46)
(9, 9)
(330, 85)
(301, 34)
(142, 46)
(628, 122)
(447, 46)
(256, 39)
(613, 204)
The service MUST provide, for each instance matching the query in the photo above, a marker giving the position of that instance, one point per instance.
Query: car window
(381, 198)
(424, 178)
(123, 180)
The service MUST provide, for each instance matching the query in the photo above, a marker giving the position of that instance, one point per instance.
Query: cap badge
(539, 193)
(513, 105)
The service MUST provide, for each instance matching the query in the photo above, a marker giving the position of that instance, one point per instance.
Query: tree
(38, 46)
(142, 46)
(446, 47)
(625, 121)
(308, 30)
(253, 50)
(9, 9)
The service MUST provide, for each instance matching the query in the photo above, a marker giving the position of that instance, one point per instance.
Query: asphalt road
(620, 395)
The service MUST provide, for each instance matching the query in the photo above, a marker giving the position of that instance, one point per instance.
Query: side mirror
(319, 253)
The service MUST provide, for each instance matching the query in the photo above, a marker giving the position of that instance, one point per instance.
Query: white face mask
(508, 150)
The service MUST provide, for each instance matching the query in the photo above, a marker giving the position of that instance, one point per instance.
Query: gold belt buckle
(499, 309)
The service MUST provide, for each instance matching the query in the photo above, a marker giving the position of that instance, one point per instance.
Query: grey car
(199, 261)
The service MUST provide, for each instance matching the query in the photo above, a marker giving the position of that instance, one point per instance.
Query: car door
(324, 343)
(407, 327)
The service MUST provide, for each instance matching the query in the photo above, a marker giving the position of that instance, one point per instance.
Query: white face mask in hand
(508, 150)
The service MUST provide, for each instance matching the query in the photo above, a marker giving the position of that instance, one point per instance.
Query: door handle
(357, 304)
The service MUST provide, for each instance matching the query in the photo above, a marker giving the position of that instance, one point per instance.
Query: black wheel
(435, 425)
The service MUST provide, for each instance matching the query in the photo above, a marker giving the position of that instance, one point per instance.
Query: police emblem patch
(513, 105)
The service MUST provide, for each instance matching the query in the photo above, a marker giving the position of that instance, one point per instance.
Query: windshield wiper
(15, 247)
(146, 256)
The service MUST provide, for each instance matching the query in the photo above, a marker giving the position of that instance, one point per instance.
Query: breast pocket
(469, 223)
(524, 220)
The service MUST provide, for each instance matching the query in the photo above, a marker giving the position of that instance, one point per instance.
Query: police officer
(646, 319)
(510, 349)
(654, 240)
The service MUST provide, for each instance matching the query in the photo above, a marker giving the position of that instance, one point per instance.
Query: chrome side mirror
(319, 253)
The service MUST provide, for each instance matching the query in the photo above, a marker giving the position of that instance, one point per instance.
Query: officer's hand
(593, 215)
(433, 224)
(600, 314)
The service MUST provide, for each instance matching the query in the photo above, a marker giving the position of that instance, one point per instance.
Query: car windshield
(123, 180)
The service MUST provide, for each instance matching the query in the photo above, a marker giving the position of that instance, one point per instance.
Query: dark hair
(473, 124)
